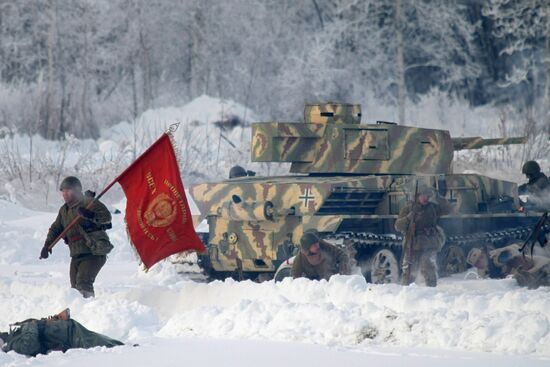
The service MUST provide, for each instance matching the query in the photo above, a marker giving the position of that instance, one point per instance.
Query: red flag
(157, 213)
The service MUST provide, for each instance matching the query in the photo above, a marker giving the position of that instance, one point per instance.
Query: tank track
(361, 240)
(367, 240)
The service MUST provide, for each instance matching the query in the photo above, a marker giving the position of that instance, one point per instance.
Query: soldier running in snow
(88, 242)
(319, 259)
(55, 333)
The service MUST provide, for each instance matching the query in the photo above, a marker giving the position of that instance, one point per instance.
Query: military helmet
(424, 189)
(530, 168)
(309, 238)
(70, 182)
(237, 171)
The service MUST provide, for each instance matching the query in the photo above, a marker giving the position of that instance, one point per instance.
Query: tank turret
(332, 140)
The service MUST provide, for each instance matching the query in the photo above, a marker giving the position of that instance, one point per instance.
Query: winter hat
(70, 182)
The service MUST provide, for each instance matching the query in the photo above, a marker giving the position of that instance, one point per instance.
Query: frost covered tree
(85, 63)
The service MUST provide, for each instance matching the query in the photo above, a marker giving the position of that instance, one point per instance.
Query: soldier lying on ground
(54, 333)
(531, 272)
(319, 259)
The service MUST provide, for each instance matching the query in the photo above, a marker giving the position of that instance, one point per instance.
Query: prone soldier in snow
(529, 271)
(319, 259)
(88, 242)
(55, 333)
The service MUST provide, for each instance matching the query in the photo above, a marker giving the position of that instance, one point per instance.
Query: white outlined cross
(306, 197)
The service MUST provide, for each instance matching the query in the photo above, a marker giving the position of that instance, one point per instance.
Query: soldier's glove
(86, 213)
(45, 252)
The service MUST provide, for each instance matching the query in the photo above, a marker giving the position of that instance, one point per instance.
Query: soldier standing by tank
(88, 242)
(428, 238)
(537, 186)
(319, 259)
(537, 180)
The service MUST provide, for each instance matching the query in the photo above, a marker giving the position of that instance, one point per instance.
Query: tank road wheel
(382, 267)
(451, 260)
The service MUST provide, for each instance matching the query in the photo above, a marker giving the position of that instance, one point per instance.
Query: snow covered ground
(345, 322)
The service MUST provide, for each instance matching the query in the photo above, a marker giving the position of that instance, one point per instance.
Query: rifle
(534, 235)
(409, 242)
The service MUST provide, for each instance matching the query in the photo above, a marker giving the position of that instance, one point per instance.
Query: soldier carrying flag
(157, 216)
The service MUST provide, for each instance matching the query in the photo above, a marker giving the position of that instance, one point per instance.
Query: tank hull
(255, 223)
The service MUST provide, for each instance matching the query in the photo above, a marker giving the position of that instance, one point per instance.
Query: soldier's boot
(428, 270)
(63, 315)
(87, 294)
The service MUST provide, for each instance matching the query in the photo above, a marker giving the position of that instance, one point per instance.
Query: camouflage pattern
(339, 144)
(360, 177)
(243, 231)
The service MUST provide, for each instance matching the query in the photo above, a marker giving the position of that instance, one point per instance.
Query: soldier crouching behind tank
(55, 333)
(428, 238)
(531, 272)
(88, 242)
(319, 259)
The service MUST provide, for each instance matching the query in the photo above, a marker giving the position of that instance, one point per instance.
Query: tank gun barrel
(477, 142)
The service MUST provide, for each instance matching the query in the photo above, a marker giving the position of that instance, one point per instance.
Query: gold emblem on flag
(161, 211)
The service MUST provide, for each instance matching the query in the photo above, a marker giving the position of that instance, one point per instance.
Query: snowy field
(344, 322)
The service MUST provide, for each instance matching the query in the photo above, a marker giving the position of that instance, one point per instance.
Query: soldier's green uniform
(87, 240)
(334, 260)
(32, 337)
(429, 238)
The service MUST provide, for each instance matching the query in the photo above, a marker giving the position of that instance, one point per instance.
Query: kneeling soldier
(88, 242)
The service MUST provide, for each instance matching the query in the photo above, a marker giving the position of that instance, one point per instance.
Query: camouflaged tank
(349, 181)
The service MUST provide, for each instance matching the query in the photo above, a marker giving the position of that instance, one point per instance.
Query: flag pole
(171, 129)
